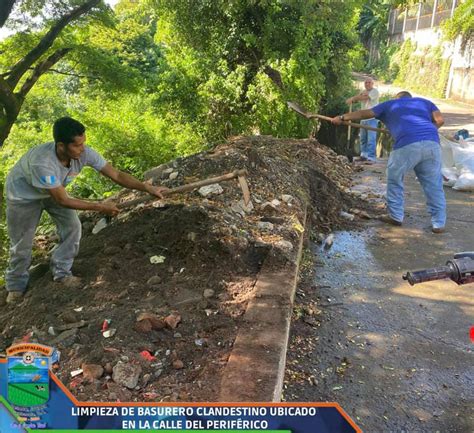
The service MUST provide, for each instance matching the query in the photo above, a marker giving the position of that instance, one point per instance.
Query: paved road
(397, 358)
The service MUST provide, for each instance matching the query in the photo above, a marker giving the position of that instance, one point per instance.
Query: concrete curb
(256, 366)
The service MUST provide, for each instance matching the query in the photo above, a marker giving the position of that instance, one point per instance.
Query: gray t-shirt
(40, 169)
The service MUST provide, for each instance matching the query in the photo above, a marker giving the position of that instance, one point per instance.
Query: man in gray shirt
(37, 183)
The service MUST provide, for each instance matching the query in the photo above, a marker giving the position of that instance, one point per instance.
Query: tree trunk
(5, 10)
(11, 100)
(5, 127)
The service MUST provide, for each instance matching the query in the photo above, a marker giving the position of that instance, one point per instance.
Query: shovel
(300, 110)
(239, 174)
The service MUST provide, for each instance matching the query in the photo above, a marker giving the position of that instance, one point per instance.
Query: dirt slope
(175, 321)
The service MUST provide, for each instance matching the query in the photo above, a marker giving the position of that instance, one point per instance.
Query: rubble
(212, 189)
(92, 371)
(199, 256)
(126, 374)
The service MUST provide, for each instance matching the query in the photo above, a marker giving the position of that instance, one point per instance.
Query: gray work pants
(22, 220)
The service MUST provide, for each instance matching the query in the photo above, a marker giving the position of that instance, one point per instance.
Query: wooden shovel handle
(300, 110)
(352, 124)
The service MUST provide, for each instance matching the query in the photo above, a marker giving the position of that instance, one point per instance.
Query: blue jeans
(424, 157)
(22, 220)
(368, 139)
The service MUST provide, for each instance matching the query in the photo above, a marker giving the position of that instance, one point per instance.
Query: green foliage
(461, 24)
(373, 34)
(384, 68)
(424, 71)
(254, 56)
(373, 20)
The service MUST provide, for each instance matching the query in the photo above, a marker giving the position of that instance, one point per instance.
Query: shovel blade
(298, 108)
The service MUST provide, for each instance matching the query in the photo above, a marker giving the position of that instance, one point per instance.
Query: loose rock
(126, 375)
(173, 320)
(178, 364)
(213, 189)
(284, 245)
(287, 198)
(92, 371)
(143, 326)
(264, 225)
(154, 280)
(347, 216)
(208, 293)
(108, 368)
(155, 321)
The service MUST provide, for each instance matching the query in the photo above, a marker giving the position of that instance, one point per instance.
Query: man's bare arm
(437, 119)
(363, 96)
(355, 115)
(61, 197)
(128, 181)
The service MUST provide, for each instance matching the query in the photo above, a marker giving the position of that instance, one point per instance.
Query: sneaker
(389, 220)
(437, 230)
(15, 297)
(70, 282)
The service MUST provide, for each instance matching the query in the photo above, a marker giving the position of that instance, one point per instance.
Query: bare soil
(213, 249)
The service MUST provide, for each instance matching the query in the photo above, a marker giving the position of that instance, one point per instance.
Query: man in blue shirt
(413, 123)
(37, 183)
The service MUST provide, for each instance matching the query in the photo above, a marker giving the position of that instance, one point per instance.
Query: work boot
(437, 230)
(389, 220)
(15, 297)
(70, 282)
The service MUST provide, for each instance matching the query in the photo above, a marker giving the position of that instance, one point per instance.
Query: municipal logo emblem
(28, 374)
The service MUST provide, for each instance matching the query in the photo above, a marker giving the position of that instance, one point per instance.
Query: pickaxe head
(244, 187)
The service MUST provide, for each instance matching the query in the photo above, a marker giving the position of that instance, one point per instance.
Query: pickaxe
(300, 110)
(239, 174)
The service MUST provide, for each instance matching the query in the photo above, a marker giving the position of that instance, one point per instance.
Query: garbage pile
(165, 284)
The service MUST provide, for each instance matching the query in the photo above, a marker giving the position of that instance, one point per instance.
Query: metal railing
(424, 15)
(440, 17)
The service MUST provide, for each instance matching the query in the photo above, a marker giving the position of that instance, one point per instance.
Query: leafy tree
(372, 28)
(33, 52)
(253, 56)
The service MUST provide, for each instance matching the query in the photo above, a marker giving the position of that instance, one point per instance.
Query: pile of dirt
(166, 283)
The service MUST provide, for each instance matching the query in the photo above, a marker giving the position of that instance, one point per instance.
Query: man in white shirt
(368, 139)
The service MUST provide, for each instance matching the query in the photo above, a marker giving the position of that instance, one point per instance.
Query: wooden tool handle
(352, 124)
(300, 110)
(184, 188)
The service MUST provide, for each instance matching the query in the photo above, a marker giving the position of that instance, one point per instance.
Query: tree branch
(40, 69)
(274, 75)
(46, 42)
(5, 10)
(72, 74)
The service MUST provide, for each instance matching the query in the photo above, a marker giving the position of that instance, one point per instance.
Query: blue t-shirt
(408, 120)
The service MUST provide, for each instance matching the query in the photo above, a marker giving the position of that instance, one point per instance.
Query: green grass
(26, 394)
